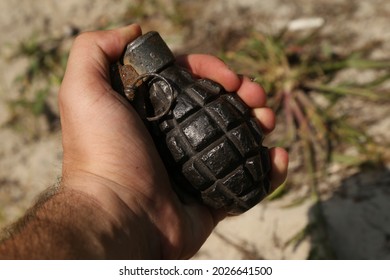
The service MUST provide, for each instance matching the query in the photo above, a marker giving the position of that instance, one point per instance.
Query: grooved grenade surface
(210, 144)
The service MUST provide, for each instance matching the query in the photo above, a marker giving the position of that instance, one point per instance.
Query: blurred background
(325, 65)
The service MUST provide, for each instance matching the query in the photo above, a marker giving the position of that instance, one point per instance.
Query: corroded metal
(210, 144)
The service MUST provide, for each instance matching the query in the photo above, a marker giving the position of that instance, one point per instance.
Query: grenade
(210, 144)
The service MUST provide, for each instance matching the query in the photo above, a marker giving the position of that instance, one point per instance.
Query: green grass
(294, 70)
(47, 58)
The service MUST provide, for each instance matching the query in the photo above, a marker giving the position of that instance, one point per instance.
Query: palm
(104, 137)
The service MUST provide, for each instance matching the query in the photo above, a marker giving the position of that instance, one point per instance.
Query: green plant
(176, 12)
(47, 60)
(294, 70)
(46, 65)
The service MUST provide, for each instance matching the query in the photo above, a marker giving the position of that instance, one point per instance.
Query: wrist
(73, 225)
(122, 229)
(157, 221)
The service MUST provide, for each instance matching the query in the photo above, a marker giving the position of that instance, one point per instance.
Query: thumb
(86, 77)
(91, 55)
(85, 91)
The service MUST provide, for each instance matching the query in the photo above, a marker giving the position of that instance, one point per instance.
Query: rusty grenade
(210, 144)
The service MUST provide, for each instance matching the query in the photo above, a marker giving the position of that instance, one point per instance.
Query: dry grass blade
(294, 71)
(294, 68)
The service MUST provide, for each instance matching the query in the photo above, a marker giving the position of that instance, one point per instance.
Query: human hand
(109, 155)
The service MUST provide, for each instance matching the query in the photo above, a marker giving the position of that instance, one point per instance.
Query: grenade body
(209, 142)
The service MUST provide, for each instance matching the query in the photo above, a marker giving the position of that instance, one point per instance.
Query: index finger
(211, 67)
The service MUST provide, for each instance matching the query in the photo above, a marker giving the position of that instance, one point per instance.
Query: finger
(87, 73)
(279, 161)
(252, 93)
(92, 53)
(211, 67)
(266, 118)
(109, 43)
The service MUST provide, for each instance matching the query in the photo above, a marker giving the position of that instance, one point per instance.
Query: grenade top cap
(148, 54)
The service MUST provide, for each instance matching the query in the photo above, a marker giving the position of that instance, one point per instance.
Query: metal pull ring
(130, 90)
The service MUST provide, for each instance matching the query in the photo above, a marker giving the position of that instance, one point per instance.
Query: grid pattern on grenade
(236, 187)
(209, 171)
(241, 200)
(237, 198)
(257, 132)
(253, 124)
(210, 140)
(243, 140)
(217, 197)
(227, 198)
(185, 106)
(203, 172)
(238, 182)
(221, 158)
(203, 91)
(255, 167)
(190, 100)
(237, 103)
(201, 130)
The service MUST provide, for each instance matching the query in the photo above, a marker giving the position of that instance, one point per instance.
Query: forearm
(72, 225)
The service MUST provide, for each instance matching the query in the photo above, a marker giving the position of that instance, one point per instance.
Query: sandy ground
(357, 209)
